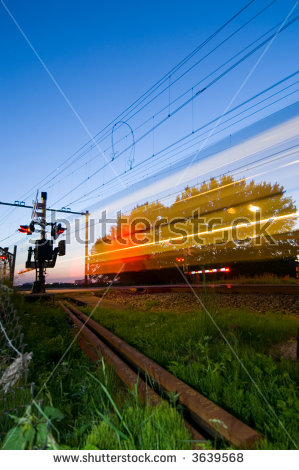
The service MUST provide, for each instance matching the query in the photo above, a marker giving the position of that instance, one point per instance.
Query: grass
(266, 278)
(259, 390)
(79, 407)
(91, 409)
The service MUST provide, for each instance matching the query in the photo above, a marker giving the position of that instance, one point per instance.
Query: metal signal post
(39, 284)
(7, 260)
(86, 250)
(43, 253)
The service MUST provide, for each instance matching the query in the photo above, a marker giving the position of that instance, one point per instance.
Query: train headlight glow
(253, 208)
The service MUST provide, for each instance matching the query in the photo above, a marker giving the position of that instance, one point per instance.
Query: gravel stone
(187, 302)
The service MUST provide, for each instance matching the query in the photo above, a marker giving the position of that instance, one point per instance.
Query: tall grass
(95, 410)
(137, 427)
(242, 376)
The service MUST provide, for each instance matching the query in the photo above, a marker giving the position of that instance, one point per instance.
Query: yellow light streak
(221, 229)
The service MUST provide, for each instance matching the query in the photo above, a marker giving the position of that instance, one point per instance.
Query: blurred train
(281, 269)
(236, 224)
(284, 269)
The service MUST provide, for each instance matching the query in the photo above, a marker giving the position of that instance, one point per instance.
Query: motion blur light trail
(222, 220)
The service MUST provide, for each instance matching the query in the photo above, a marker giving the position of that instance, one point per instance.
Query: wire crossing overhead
(148, 143)
(65, 211)
(106, 130)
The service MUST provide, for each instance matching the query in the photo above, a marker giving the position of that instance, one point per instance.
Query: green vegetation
(258, 390)
(266, 278)
(78, 407)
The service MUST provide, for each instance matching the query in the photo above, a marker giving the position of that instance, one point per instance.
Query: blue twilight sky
(103, 56)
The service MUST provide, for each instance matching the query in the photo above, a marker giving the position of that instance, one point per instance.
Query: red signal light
(25, 229)
(57, 230)
(180, 260)
(227, 270)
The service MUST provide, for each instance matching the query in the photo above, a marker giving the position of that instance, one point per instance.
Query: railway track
(225, 288)
(203, 418)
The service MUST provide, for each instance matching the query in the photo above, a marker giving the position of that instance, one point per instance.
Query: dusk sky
(68, 68)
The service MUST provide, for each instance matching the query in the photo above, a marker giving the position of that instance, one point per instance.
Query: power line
(172, 102)
(182, 106)
(246, 167)
(179, 108)
(152, 88)
(180, 140)
(183, 94)
(166, 78)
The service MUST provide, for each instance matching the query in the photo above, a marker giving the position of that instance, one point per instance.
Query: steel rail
(91, 344)
(204, 412)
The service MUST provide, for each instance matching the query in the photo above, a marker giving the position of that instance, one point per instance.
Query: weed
(151, 303)
(98, 411)
(192, 348)
(34, 429)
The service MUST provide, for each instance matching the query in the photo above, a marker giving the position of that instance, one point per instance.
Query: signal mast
(44, 255)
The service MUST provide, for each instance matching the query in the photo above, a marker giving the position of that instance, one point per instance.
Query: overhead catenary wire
(182, 95)
(174, 101)
(128, 186)
(195, 138)
(156, 152)
(150, 90)
(180, 107)
(248, 21)
(199, 129)
(273, 157)
(172, 155)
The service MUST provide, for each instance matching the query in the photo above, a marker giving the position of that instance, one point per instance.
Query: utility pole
(39, 284)
(86, 248)
(13, 265)
(4, 269)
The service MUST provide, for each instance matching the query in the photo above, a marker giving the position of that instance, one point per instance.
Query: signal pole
(39, 284)
(13, 265)
(9, 260)
(42, 257)
(86, 249)
(4, 269)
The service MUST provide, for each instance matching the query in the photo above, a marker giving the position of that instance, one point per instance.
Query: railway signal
(44, 255)
(25, 229)
(8, 263)
(39, 218)
(28, 229)
(61, 248)
(57, 230)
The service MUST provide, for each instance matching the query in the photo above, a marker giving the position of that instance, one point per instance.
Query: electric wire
(153, 87)
(179, 108)
(197, 130)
